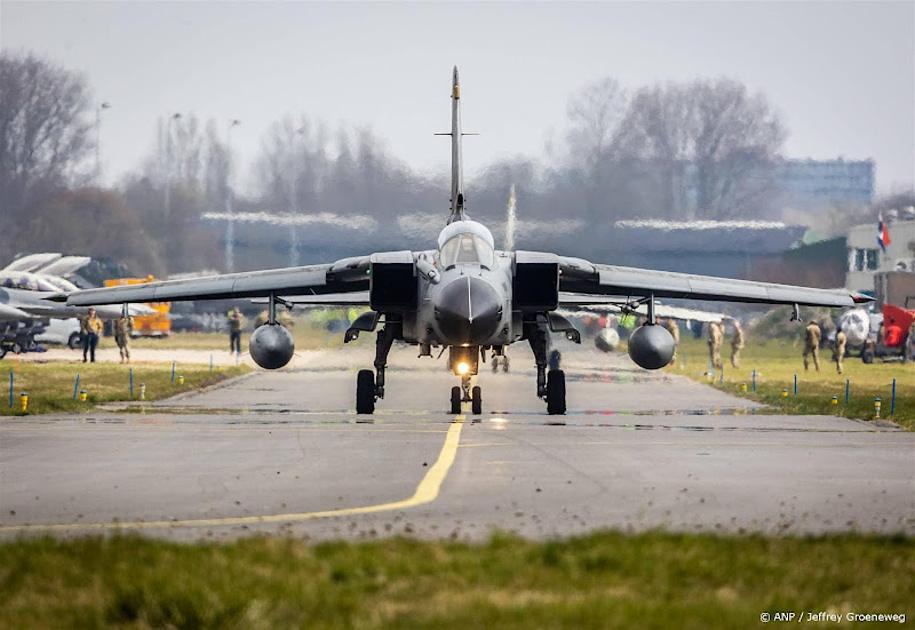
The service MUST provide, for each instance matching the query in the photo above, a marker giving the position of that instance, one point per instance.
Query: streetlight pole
(230, 222)
(293, 199)
(168, 171)
(98, 140)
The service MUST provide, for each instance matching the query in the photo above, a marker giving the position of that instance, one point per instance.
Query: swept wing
(584, 278)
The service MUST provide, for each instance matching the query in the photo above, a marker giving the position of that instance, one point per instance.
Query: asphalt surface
(284, 452)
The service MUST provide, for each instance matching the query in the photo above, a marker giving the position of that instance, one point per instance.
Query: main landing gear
(551, 385)
(369, 385)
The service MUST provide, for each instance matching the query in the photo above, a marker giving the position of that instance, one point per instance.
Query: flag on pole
(883, 233)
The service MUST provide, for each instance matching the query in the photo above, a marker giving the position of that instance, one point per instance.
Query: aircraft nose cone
(468, 311)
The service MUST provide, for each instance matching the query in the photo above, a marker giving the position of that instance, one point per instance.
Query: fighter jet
(464, 297)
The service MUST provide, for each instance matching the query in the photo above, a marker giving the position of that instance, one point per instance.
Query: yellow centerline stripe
(426, 492)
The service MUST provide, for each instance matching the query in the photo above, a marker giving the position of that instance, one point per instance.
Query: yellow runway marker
(426, 492)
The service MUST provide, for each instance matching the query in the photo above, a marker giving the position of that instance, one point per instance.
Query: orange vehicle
(157, 324)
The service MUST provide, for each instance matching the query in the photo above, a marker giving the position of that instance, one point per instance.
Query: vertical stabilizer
(457, 163)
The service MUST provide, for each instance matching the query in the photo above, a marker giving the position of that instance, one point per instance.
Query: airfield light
(463, 368)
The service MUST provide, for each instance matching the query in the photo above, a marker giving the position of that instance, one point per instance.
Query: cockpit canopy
(466, 242)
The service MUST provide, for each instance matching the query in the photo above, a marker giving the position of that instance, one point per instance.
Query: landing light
(463, 368)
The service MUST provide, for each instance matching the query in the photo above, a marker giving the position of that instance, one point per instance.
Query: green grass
(776, 363)
(603, 580)
(50, 385)
(308, 335)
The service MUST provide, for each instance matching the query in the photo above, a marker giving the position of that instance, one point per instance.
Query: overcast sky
(842, 75)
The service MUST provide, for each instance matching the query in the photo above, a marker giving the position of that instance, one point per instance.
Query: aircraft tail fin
(457, 164)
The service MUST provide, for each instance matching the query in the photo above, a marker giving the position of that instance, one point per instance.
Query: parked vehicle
(896, 340)
(61, 332)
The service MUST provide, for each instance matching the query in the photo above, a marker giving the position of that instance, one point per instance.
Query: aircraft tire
(365, 392)
(556, 392)
(74, 341)
(476, 400)
(455, 400)
(867, 356)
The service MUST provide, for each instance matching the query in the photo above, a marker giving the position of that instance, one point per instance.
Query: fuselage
(469, 301)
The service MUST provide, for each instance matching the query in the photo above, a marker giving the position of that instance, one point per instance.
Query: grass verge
(603, 580)
(307, 335)
(777, 362)
(50, 385)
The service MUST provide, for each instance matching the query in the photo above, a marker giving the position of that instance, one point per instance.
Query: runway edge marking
(426, 492)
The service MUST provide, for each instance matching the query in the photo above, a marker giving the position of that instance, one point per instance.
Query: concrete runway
(283, 452)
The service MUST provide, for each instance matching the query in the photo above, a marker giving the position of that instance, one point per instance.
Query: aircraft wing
(585, 278)
(661, 310)
(357, 298)
(11, 313)
(344, 276)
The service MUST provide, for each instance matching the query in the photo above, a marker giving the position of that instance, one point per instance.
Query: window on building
(873, 261)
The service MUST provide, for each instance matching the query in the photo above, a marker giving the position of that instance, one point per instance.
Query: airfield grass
(308, 335)
(50, 385)
(602, 580)
(776, 363)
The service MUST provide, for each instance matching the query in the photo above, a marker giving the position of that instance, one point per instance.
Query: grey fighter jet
(465, 297)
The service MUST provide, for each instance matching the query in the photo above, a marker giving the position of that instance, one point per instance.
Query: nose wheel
(465, 393)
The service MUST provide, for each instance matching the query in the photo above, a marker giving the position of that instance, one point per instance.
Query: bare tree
(737, 138)
(45, 124)
(707, 145)
(595, 114)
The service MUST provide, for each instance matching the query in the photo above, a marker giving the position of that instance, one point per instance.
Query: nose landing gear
(465, 393)
(464, 362)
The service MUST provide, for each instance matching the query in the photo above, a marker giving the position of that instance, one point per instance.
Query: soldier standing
(91, 326)
(812, 345)
(122, 329)
(714, 344)
(236, 321)
(737, 344)
(671, 324)
(839, 350)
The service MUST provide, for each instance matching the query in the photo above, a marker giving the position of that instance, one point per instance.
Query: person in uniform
(236, 321)
(122, 329)
(838, 352)
(738, 341)
(714, 344)
(671, 324)
(812, 345)
(91, 328)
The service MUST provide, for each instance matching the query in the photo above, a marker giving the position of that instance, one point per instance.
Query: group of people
(90, 330)
(716, 340)
(813, 335)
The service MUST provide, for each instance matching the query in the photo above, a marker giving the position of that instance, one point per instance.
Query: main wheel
(556, 392)
(867, 356)
(476, 400)
(74, 341)
(455, 400)
(365, 392)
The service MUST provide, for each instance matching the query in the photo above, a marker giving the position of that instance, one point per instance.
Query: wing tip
(861, 298)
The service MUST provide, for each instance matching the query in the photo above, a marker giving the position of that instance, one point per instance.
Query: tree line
(700, 149)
